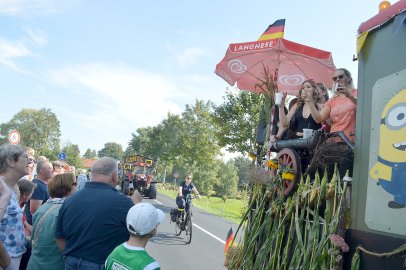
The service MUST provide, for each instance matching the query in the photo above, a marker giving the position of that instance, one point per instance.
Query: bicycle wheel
(188, 228)
(177, 227)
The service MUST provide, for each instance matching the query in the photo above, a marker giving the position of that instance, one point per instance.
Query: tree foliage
(236, 121)
(39, 129)
(228, 179)
(90, 153)
(185, 143)
(72, 155)
(113, 150)
(198, 145)
(243, 165)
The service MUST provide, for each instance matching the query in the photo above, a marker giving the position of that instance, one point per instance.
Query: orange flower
(271, 164)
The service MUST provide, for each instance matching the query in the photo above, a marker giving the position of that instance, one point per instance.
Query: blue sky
(106, 68)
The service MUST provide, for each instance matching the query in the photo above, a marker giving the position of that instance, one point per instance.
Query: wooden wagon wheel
(289, 158)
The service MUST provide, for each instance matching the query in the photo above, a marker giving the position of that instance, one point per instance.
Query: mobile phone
(334, 88)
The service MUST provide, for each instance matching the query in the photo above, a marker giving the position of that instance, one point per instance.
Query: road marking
(212, 235)
(158, 202)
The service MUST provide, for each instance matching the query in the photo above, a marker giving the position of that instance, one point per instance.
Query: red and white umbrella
(292, 63)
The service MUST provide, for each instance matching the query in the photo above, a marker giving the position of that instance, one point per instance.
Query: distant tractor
(137, 175)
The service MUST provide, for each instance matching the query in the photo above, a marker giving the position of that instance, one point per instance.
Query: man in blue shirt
(92, 222)
(41, 194)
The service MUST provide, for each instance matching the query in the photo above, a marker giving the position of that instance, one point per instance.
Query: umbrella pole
(268, 86)
(275, 78)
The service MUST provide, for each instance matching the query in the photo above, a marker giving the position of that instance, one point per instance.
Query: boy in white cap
(142, 222)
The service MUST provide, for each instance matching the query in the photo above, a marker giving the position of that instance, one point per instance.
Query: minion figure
(390, 168)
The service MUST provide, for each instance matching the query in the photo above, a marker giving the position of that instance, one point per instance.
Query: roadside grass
(232, 210)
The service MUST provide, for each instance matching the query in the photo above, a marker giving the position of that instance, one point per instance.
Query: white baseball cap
(143, 218)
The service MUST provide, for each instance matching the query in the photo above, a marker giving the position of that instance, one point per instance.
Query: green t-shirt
(126, 257)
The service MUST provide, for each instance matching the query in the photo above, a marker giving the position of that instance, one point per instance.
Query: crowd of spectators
(53, 219)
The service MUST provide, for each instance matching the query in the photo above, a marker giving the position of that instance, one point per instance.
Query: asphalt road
(206, 251)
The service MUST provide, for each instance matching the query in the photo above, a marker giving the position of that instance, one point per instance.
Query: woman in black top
(299, 117)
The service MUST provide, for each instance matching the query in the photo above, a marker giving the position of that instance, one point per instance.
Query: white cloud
(10, 51)
(189, 55)
(119, 99)
(36, 37)
(33, 7)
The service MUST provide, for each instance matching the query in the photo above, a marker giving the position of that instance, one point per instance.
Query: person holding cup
(340, 109)
(299, 116)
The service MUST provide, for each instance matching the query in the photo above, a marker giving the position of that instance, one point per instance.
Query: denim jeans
(74, 263)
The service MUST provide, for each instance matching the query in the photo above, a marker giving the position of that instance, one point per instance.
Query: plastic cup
(278, 98)
(307, 133)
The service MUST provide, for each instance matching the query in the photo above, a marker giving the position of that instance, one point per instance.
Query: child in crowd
(142, 222)
(26, 188)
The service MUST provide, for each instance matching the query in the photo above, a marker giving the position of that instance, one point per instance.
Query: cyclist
(186, 187)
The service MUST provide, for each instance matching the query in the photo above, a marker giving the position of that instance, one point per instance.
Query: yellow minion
(390, 168)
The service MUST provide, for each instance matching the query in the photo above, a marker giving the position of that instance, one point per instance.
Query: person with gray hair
(14, 164)
(92, 222)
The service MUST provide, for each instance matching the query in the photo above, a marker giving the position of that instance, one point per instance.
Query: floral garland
(284, 172)
(272, 164)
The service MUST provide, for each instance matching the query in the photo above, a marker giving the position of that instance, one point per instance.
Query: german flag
(229, 240)
(275, 30)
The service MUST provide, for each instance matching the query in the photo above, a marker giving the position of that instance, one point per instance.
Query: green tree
(228, 178)
(139, 142)
(90, 153)
(184, 143)
(237, 119)
(39, 129)
(72, 155)
(243, 165)
(157, 142)
(113, 150)
(198, 145)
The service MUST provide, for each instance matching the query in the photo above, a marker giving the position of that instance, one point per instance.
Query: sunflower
(288, 176)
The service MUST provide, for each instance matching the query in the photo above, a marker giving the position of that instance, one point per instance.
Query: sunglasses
(339, 77)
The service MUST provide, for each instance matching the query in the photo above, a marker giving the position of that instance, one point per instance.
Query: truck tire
(152, 191)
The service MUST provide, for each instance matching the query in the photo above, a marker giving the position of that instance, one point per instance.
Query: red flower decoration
(338, 241)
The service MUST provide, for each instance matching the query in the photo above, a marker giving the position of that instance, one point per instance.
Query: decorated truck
(296, 222)
(137, 174)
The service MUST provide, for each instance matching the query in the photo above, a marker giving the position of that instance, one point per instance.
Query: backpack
(173, 213)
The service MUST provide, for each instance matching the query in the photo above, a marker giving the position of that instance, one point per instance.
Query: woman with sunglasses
(340, 109)
(186, 187)
(45, 252)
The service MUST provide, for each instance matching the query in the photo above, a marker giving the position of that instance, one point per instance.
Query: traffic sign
(14, 137)
(62, 156)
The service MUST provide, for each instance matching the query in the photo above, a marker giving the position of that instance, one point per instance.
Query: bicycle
(184, 220)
